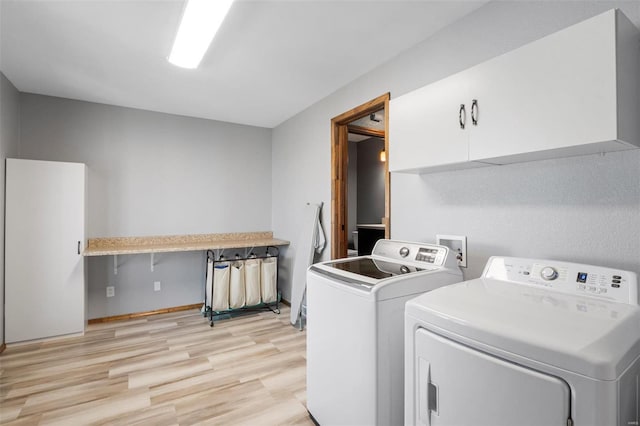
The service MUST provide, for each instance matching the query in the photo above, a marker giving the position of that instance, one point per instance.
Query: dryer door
(458, 385)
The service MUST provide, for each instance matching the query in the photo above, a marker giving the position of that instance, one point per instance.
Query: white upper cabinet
(425, 126)
(574, 92)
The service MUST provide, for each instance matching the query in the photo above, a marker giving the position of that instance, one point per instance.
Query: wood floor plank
(167, 374)
(72, 395)
(99, 410)
(146, 362)
(97, 362)
(285, 380)
(156, 416)
(25, 421)
(144, 328)
(211, 405)
(171, 392)
(10, 411)
(166, 369)
(250, 353)
(61, 380)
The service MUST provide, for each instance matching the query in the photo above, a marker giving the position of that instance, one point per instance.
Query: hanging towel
(311, 238)
(319, 241)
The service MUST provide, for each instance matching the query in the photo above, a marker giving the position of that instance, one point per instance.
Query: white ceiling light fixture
(200, 22)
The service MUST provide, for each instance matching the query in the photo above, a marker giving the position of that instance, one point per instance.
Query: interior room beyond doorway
(365, 183)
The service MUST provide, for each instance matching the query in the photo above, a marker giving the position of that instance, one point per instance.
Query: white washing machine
(531, 342)
(355, 321)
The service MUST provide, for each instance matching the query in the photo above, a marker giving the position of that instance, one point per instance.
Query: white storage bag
(220, 287)
(208, 285)
(252, 281)
(236, 288)
(269, 284)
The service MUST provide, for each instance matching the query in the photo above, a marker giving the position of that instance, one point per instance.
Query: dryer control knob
(548, 273)
(404, 251)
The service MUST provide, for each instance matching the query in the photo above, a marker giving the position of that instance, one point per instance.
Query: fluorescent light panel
(200, 22)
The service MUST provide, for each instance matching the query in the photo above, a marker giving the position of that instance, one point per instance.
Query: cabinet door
(423, 126)
(44, 275)
(458, 385)
(556, 93)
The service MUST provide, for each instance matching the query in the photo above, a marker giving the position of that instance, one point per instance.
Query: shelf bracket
(151, 264)
(115, 264)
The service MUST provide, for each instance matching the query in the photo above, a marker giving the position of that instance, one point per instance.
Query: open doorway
(367, 123)
(366, 175)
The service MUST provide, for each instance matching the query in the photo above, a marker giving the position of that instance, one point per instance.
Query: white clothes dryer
(531, 342)
(355, 322)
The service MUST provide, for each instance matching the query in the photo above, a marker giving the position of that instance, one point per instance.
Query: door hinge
(342, 226)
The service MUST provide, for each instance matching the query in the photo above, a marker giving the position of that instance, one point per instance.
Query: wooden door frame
(339, 157)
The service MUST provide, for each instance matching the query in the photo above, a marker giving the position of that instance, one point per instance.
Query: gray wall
(370, 181)
(9, 148)
(584, 209)
(153, 174)
(365, 184)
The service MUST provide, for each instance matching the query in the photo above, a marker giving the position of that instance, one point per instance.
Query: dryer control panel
(573, 278)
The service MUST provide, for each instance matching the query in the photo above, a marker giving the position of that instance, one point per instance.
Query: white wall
(9, 147)
(153, 174)
(542, 209)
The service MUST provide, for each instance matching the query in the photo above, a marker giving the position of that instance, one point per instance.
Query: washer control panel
(433, 255)
(414, 253)
(574, 278)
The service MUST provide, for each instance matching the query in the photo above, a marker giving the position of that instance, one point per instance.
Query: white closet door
(45, 231)
(458, 385)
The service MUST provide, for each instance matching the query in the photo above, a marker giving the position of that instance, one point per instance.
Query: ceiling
(372, 121)
(376, 124)
(269, 61)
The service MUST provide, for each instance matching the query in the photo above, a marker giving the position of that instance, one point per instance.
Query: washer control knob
(548, 273)
(404, 251)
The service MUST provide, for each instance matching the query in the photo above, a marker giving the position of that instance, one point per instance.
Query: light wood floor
(166, 369)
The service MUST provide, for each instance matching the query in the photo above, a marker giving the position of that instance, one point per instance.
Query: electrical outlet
(156, 286)
(111, 291)
(457, 244)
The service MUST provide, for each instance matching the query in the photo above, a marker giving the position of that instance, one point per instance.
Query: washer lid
(595, 338)
(367, 272)
(373, 268)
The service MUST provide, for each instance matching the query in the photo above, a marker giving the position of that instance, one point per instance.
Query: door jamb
(339, 157)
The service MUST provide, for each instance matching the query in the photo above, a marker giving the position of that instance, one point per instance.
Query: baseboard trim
(285, 302)
(145, 314)
(3, 347)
